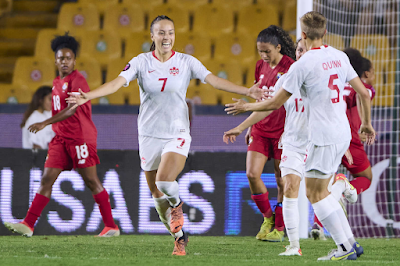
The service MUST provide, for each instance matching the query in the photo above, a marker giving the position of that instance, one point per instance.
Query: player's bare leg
(100, 195)
(25, 228)
(255, 162)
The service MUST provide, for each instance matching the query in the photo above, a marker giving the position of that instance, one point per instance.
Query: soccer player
(277, 52)
(294, 141)
(320, 76)
(360, 167)
(164, 139)
(74, 145)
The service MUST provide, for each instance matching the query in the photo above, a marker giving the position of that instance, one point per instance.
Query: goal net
(373, 28)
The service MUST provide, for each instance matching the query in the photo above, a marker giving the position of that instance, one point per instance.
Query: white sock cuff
(335, 205)
(323, 208)
(161, 199)
(167, 187)
(290, 199)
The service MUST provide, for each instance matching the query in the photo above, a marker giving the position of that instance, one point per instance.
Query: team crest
(174, 71)
(65, 86)
(279, 75)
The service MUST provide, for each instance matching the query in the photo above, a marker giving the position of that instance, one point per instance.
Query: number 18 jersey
(163, 110)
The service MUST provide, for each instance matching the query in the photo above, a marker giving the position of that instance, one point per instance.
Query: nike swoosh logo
(342, 257)
(151, 71)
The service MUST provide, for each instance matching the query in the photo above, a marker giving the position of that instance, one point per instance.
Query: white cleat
(20, 228)
(350, 193)
(291, 251)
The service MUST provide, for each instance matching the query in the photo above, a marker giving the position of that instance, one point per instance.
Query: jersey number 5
(334, 88)
(164, 82)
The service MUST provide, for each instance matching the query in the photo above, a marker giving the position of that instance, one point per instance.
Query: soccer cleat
(317, 232)
(176, 222)
(336, 255)
(180, 245)
(350, 193)
(265, 228)
(21, 228)
(275, 236)
(341, 202)
(291, 251)
(358, 248)
(109, 232)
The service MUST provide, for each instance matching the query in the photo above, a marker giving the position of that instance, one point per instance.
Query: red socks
(37, 206)
(279, 224)
(263, 205)
(317, 221)
(103, 200)
(360, 183)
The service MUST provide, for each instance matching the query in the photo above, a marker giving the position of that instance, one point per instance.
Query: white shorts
(323, 161)
(292, 162)
(151, 149)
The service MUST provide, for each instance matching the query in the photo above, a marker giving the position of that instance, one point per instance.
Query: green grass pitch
(156, 250)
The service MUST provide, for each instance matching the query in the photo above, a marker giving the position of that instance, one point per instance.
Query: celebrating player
(294, 141)
(164, 139)
(360, 167)
(74, 145)
(320, 76)
(277, 52)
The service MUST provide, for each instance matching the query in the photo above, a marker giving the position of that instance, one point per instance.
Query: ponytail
(276, 35)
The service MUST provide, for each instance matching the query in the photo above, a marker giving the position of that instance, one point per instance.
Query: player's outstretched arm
(222, 84)
(62, 115)
(267, 105)
(365, 101)
(254, 118)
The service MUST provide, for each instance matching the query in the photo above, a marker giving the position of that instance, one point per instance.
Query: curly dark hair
(157, 19)
(276, 35)
(65, 41)
(358, 62)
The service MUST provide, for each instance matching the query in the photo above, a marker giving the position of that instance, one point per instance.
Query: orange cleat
(176, 221)
(180, 245)
(109, 232)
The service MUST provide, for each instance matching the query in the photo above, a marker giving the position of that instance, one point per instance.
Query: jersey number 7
(334, 88)
(163, 85)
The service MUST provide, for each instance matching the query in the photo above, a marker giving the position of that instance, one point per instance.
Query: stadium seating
(125, 95)
(176, 13)
(43, 41)
(124, 19)
(234, 5)
(33, 72)
(241, 47)
(201, 93)
(101, 45)
(334, 40)
(213, 20)
(289, 16)
(254, 18)
(78, 17)
(102, 5)
(188, 5)
(138, 42)
(13, 95)
(91, 70)
(198, 45)
(146, 5)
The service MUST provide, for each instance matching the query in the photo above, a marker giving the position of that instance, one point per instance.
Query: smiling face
(65, 61)
(163, 36)
(269, 52)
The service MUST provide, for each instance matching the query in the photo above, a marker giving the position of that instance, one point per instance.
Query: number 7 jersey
(163, 110)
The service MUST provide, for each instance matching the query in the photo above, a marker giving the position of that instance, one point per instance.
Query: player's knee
(252, 176)
(289, 189)
(93, 184)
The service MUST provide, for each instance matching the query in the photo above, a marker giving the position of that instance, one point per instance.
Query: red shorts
(69, 156)
(267, 146)
(360, 159)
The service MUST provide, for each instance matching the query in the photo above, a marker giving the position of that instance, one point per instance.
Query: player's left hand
(34, 128)
(369, 131)
(349, 157)
(236, 108)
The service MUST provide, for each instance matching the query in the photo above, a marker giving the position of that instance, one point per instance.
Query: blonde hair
(313, 24)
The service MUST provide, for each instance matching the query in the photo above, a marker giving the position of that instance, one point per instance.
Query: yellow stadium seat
(125, 95)
(33, 72)
(188, 5)
(44, 38)
(213, 19)
(376, 48)
(289, 16)
(241, 47)
(198, 45)
(91, 70)
(125, 19)
(176, 13)
(255, 18)
(102, 5)
(250, 69)
(75, 16)
(234, 5)
(334, 40)
(13, 95)
(103, 46)
(138, 42)
(201, 94)
(146, 5)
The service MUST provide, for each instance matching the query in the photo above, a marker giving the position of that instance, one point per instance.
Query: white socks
(171, 190)
(163, 209)
(327, 211)
(291, 218)
(337, 189)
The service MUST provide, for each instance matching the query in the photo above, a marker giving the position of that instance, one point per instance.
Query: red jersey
(350, 97)
(78, 128)
(272, 125)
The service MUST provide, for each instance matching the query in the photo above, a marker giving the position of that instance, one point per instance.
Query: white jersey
(41, 138)
(163, 110)
(320, 75)
(295, 133)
